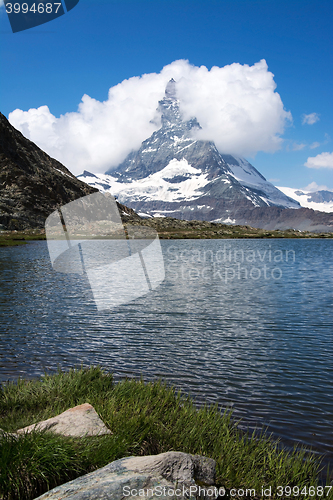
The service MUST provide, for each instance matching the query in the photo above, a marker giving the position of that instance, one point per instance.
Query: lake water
(244, 323)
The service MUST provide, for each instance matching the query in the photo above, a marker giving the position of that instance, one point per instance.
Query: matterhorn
(176, 175)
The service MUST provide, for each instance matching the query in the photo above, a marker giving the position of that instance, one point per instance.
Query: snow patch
(144, 215)
(303, 200)
(63, 173)
(155, 186)
(249, 177)
(148, 150)
(226, 221)
(265, 200)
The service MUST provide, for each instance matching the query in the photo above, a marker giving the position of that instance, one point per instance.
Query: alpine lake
(243, 323)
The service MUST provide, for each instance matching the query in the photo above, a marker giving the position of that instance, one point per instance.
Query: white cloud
(298, 147)
(310, 119)
(313, 186)
(314, 145)
(323, 160)
(236, 105)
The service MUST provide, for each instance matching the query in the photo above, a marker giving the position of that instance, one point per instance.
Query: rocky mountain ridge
(306, 218)
(32, 184)
(177, 175)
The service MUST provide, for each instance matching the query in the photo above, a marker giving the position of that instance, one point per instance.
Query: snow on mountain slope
(178, 180)
(319, 200)
(249, 177)
(102, 182)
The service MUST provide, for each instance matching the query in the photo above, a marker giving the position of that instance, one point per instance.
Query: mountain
(175, 174)
(32, 184)
(317, 200)
(270, 218)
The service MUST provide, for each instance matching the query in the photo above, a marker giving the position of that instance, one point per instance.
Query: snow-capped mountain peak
(170, 89)
(175, 174)
(168, 107)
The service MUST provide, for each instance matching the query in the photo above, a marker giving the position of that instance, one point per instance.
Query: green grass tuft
(145, 418)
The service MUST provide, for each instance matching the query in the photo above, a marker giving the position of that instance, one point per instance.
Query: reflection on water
(246, 323)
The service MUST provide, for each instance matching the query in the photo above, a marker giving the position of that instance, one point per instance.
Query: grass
(145, 418)
(15, 238)
(168, 228)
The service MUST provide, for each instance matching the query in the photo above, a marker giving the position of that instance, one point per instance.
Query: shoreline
(146, 418)
(168, 228)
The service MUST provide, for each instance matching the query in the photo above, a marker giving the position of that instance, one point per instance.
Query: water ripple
(262, 346)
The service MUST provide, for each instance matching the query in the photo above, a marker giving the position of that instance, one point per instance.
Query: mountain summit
(175, 174)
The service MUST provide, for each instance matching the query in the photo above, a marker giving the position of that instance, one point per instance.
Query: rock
(79, 421)
(174, 466)
(6, 434)
(166, 476)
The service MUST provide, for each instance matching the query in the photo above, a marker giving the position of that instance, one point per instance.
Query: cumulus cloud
(236, 106)
(323, 160)
(298, 147)
(310, 119)
(313, 186)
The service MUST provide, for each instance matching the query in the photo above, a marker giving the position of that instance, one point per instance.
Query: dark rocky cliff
(32, 184)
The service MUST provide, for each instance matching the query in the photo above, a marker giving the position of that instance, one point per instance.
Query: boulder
(4, 434)
(170, 475)
(79, 421)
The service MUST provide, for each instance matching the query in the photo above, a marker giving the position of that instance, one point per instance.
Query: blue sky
(99, 44)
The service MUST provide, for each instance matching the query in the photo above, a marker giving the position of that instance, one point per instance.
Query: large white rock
(171, 475)
(79, 421)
